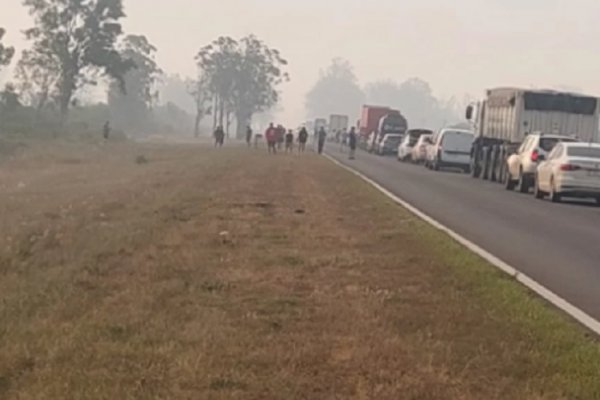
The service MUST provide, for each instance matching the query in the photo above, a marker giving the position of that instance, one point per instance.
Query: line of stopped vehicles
(539, 141)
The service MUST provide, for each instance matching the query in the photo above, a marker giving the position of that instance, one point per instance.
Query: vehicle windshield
(393, 139)
(457, 140)
(548, 143)
(584, 152)
(426, 139)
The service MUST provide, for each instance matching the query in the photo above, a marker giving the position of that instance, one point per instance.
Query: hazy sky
(459, 46)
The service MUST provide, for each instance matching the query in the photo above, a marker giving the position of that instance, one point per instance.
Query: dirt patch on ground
(226, 274)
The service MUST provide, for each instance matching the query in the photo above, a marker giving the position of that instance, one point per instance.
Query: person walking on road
(352, 142)
(302, 139)
(289, 142)
(271, 136)
(219, 136)
(249, 135)
(322, 136)
(344, 140)
(106, 130)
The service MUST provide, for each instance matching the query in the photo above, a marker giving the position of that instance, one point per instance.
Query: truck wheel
(509, 183)
(523, 183)
(554, 195)
(495, 173)
(503, 172)
(475, 171)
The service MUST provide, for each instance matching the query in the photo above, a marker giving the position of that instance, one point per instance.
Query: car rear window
(547, 144)
(587, 152)
(458, 140)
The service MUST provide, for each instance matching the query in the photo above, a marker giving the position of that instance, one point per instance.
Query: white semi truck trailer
(506, 115)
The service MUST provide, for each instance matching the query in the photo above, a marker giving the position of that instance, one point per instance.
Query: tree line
(337, 91)
(77, 44)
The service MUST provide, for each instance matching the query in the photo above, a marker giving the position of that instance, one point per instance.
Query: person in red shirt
(271, 136)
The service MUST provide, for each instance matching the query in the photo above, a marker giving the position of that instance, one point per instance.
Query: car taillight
(569, 167)
(535, 155)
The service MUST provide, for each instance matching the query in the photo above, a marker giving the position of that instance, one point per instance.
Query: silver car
(389, 144)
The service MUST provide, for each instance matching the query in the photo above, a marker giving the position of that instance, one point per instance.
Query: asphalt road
(558, 245)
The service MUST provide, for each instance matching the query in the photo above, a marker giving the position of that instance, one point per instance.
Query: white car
(389, 144)
(451, 148)
(571, 170)
(521, 166)
(418, 153)
(410, 140)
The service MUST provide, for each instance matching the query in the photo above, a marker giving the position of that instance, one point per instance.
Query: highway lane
(558, 245)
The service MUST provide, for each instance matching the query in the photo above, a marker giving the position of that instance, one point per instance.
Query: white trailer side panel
(584, 127)
(506, 118)
(501, 122)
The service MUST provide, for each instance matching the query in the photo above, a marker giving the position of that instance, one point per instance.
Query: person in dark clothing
(249, 136)
(219, 136)
(322, 136)
(106, 130)
(352, 141)
(271, 135)
(302, 139)
(289, 141)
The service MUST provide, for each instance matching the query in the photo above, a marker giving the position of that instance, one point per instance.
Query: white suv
(522, 165)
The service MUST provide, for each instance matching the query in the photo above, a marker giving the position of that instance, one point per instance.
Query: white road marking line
(574, 312)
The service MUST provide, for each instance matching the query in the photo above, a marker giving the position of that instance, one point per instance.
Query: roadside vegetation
(232, 275)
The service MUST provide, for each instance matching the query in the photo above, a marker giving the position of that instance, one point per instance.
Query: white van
(451, 149)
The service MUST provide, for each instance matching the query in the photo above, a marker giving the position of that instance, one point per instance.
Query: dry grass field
(141, 271)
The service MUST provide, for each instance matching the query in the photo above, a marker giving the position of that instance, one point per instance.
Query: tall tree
(80, 36)
(6, 53)
(131, 109)
(200, 92)
(243, 77)
(255, 89)
(218, 63)
(336, 92)
(37, 76)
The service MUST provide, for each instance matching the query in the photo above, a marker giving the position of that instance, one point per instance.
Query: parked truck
(369, 119)
(338, 123)
(320, 123)
(376, 122)
(392, 123)
(507, 115)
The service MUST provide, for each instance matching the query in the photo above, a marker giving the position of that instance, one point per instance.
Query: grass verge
(230, 274)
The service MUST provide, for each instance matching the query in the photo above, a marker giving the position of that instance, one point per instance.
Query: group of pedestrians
(277, 137)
